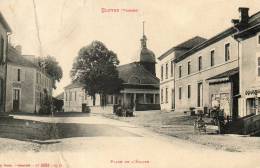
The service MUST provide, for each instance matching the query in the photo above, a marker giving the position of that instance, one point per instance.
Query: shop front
(252, 101)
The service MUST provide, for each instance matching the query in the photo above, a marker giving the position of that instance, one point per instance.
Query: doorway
(173, 99)
(16, 100)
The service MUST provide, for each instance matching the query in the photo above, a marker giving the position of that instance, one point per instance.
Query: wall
(207, 71)
(167, 83)
(41, 82)
(99, 109)
(26, 87)
(3, 34)
(75, 105)
(248, 71)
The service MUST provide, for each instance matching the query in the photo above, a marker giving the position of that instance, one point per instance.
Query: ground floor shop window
(251, 106)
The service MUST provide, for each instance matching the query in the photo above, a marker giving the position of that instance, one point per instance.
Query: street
(101, 142)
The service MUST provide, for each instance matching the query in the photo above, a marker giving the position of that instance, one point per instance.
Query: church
(140, 87)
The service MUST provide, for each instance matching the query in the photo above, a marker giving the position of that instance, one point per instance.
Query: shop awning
(223, 77)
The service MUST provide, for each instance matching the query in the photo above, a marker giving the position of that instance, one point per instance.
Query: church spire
(144, 39)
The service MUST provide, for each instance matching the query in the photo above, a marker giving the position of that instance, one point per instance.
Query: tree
(52, 68)
(95, 68)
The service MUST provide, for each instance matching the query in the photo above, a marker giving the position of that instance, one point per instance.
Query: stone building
(249, 63)
(26, 82)
(4, 32)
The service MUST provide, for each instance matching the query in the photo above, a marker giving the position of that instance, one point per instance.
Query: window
(200, 63)
(86, 96)
(188, 67)
(258, 66)
(18, 74)
(161, 95)
(66, 96)
(1, 50)
(180, 93)
(162, 72)
(227, 52)
(189, 91)
(166, 95)
(172, 68)
(179, 71)
(166, 71)
(75, 96)
(258, 39)
(212, 59)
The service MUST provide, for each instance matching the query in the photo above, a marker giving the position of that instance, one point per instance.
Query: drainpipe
(238, 60)
(6, 55)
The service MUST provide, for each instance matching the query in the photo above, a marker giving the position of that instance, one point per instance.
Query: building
(27, 84)
(5, 30)
(167, 71)
(75, 98)
(217, 69)
(140, 86)
(249, 50)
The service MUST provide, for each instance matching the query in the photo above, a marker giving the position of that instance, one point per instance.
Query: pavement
(107, 143)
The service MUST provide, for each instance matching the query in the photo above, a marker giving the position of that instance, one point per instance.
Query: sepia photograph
(129, 84)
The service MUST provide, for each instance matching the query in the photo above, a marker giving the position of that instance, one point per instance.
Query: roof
(14, 58)
(4, 23)
(60, 96)
(134, 73)
(186, 45)
(206, 43)
(226, 74)
(74, 85)
(252, 26)
(147, 55)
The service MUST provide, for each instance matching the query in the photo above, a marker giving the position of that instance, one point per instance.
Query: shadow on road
(28, 130)
(58, 114)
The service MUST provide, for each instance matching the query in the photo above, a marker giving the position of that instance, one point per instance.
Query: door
(16, 100)
(173, 99)
(200, 94)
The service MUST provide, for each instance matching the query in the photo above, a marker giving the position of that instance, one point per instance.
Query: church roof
(134, 73)
(147, 55)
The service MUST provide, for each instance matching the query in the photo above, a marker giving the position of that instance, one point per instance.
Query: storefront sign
(252, 92)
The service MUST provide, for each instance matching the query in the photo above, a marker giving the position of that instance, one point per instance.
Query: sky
(67, 25)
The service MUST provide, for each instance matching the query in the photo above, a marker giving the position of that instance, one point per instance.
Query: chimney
(18, 48)
(244, 17)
